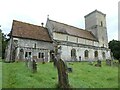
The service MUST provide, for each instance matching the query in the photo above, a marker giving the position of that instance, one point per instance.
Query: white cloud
(71, 12)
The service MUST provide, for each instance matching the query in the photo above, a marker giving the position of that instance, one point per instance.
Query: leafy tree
(3, 44)
(114, 45)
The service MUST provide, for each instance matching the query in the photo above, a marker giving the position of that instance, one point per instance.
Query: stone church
(76, 44)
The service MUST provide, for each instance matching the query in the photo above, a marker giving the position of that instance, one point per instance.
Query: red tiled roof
(30, 31)
(71, 30)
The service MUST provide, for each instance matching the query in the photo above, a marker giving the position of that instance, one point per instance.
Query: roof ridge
(27, 23)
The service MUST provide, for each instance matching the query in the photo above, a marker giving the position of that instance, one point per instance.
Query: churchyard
(81, 75)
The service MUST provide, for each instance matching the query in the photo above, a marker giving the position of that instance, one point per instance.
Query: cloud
(71, 12)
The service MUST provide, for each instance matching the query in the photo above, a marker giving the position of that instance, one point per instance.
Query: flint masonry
(28, 40)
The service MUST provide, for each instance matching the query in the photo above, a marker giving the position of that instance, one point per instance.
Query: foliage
(17, 75)
(114, 45)
(3, 43)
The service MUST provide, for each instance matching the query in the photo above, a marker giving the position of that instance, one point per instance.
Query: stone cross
(62, 74)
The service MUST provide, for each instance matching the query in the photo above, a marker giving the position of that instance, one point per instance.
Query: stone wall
(80, 51)
(34, 47)
(69, 38)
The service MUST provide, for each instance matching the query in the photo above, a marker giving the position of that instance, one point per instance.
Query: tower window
(101, 23)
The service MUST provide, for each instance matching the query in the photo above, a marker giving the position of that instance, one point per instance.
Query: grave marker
(98, 63)
(34, 66)
(62, 74)
(108, 62)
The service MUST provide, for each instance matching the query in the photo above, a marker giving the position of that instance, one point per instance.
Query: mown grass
(17, 75)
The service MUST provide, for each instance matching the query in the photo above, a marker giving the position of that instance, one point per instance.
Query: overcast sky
(71, 12)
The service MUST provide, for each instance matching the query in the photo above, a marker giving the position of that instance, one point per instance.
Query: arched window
(101, 23)
(86, 53)
(103, 55)
(73, 53)
(96, 54)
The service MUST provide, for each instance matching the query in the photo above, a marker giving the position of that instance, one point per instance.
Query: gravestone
(34, 66)
(30, 64)
(26, 62)
(115, 63)
(62, 74)
(108, 62)
(54, 60)
(98, 63)
(90, 62)
(43, 62)
(69, 69)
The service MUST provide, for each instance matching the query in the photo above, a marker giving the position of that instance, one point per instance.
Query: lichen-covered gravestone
(62, 74)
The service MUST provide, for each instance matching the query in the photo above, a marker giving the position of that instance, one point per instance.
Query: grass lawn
(17, 75)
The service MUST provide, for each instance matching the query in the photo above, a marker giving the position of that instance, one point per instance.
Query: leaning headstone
(62, 74)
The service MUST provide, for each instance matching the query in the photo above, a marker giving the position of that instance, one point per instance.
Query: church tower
(96, 23)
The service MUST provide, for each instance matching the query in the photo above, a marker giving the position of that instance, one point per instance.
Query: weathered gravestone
(54, 60)
(26, 62)
(56, 55)
(108, 62)
(98, 63)
(32, 65)
(62, 74)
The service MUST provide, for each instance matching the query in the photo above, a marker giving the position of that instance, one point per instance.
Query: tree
(3, 43)
(114, 45)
